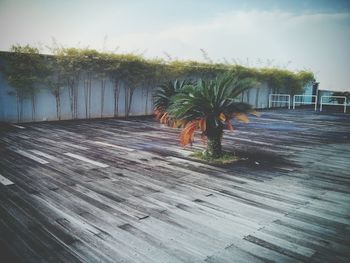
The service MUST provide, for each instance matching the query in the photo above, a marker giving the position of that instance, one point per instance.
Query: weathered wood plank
(126, 192)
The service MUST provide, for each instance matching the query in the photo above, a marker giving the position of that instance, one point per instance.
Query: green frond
(209, 98)
(163, 93)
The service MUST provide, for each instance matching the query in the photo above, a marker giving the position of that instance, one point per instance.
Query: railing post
(288, 96)
(280, 101)
(303, 102)
(341, 97)
(294, 102)
(315, 103)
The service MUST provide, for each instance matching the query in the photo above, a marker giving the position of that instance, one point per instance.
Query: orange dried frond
(229, 125)
(202, 123)
(222, 117)
(158, 114)
(255, 113)
(164, 119)
(187, 133)
(184, 123)
(177, 123)
(241, 117)
(174, 124)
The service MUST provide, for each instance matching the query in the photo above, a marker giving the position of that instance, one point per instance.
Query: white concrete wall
(46, 103)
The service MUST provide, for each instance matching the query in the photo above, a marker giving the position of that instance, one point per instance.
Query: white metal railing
(334, 104)
(287, 96)
(303, 102)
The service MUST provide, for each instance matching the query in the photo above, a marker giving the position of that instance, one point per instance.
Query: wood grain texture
(123, 191)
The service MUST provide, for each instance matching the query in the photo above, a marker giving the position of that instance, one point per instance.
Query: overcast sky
(297, 35)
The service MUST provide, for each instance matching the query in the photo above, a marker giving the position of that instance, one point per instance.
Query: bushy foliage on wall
(24, 70)
(27, 71)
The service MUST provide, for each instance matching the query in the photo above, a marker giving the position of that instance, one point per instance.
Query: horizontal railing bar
(342, 97)
(304, 102)
(327, 103)
(305, 96)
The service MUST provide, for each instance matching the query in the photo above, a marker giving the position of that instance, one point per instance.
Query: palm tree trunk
(214, 148)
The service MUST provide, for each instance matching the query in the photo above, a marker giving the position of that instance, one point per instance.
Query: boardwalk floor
(124, 191)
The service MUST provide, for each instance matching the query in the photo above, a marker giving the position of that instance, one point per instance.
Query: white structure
(295, 101)
(279, 99)
(334, 104)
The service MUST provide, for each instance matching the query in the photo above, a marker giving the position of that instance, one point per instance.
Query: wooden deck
(124, 191)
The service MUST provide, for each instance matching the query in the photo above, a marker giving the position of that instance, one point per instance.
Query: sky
(295, 35)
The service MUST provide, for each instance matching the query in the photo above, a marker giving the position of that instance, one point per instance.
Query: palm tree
(209, 106)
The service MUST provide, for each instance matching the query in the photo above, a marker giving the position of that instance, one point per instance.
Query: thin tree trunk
(57, 110)
(71, 98)
(103, 86)
(126, 101)
(90, 82)
(116, 98)
(58, 104)
(146, 104)
(131, 93)
(76, 100)
(21, 108)
(33, 106)
(86, 87)
(18, 107)
(257, 98)
(73, 85)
